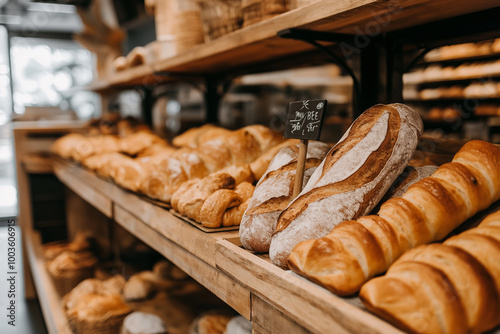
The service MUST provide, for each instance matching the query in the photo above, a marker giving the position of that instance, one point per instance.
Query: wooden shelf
(259, 43)
(50, 302)
(455, 79)
(273, 299)
(457, 60)
(455, 99)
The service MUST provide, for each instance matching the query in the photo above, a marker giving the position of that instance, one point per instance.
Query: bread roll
(352, 178)
(190, 137)
(214, 209)
(274, 192)
(356, 251)
(452, 287)
(217, 149)
(139, 141)
(189, 201)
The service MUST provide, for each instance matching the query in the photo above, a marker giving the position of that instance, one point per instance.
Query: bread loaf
(217, 149)
(452, 287)
(356, 251)
(190, 137)
(352, 178)
(274, 192)
(259, 166)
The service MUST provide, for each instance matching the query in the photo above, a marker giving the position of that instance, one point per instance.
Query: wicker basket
(69, 269)
(94, 311)
(220, 17)
(66, 280)
(111, 325)
(259, 10)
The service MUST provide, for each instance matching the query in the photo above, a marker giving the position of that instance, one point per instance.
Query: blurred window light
(8, 196)
(48, 73)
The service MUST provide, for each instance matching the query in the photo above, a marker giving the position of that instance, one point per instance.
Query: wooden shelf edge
(308, 304)
(259, 43)
(50, 302)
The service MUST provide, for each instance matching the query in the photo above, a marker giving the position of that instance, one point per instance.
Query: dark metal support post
(147, 106)
(381, 68)
(212, 99)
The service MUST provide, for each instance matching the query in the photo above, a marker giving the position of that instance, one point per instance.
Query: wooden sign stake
(304, 122)
(301, 163)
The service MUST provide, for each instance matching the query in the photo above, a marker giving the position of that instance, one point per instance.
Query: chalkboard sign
(305, 119)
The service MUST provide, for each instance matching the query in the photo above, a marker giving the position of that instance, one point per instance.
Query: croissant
(355, 251)
(215, 150)
(217, 210)
(452, 287)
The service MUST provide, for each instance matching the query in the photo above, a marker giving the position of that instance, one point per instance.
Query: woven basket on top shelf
(259, 10)
(220, 17)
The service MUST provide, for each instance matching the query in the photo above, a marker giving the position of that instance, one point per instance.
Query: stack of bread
(208, 150)
(452, 287)
(207, 164)
(324, 235)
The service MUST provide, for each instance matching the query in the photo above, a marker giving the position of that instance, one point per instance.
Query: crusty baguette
(353, 177)
(452, 287)
(409, 176)
(356, 251)
(274, 192)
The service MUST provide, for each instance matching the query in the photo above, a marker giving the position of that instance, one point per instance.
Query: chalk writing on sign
(304, 119)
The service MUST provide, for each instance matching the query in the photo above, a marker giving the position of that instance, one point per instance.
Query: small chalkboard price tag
(304, 119)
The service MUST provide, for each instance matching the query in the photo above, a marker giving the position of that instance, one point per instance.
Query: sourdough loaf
(274, 192)
(352, 178)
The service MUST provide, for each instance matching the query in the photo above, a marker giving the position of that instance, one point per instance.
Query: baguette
(452, 287)
(356, 251)
(410, 175)
(352, 179)
(273, 193)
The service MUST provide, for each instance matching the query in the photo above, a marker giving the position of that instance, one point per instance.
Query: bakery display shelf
(456, 99)
(269, 296)
(259, 43)
(106, 196)
(50, 302)
(457, 60)
(482, 77)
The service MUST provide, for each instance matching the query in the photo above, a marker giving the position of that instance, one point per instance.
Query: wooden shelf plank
(93, 196)
(306, 303)
(223, 286)
(50, 302)
(259, 43)
(37, 163)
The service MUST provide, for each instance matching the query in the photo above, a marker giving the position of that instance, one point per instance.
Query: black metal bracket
(314, 37)
(374, 64)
